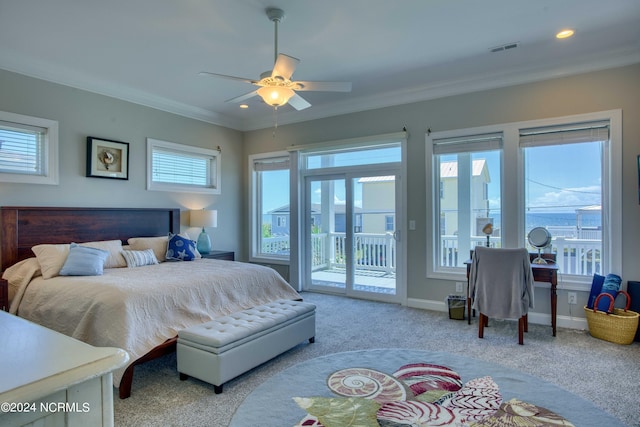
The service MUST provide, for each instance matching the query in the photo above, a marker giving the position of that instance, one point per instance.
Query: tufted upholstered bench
(225, 347)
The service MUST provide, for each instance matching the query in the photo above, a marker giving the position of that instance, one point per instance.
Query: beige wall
(81, 114)
(598, 91)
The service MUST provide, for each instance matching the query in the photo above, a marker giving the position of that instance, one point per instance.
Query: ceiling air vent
(504, 47)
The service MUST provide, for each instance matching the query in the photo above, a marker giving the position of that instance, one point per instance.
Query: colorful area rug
(399, 388)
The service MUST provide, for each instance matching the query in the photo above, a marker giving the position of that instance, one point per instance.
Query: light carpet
(606, 374)
(272, 405)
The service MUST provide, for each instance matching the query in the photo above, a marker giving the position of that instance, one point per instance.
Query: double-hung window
(28, 149)
(269, 201)
(178, 167)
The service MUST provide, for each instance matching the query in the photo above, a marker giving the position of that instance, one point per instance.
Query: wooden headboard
(24, 227)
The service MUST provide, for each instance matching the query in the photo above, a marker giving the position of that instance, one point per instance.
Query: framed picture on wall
(107, 158)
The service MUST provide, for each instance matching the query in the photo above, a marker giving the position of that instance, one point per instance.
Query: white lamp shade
(204, 218)
(275, 96)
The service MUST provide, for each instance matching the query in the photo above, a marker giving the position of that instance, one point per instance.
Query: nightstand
(224, 255)
(4, 295)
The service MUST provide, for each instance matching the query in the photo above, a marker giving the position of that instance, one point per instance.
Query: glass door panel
(351, 236)
(326, 237)
(374, 234)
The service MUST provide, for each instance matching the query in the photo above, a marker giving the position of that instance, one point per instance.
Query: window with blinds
(565, 192)
(177, 167)
(464, 165)
(562, 174)
(28, 149)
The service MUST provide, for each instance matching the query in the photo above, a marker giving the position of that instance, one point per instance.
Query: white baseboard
(568, 322)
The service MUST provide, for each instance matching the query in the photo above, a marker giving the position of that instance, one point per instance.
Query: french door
(351, 233)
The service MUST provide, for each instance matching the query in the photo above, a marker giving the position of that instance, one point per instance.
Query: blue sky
(560, 179)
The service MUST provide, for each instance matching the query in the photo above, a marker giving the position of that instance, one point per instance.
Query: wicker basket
(619, 327)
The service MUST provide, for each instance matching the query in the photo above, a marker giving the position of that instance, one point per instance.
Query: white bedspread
(137, 309)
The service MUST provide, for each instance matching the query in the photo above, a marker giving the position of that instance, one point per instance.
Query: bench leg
(217, 389)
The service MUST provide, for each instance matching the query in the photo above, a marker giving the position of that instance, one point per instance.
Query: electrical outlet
(573, 297)
(458, 286)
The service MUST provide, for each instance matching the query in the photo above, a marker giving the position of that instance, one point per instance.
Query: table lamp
(204, 218)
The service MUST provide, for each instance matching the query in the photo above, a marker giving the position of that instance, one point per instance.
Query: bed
(137, 309)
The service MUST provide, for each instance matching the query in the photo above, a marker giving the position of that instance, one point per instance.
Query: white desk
(53, 379)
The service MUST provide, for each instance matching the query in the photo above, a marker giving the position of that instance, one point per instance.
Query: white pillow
(157, 244)
(52, 257)
(139, 258)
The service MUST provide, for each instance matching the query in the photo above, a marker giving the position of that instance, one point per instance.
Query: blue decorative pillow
(180, 248)
(84, 261)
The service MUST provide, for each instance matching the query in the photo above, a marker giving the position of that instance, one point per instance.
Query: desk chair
(501, 284)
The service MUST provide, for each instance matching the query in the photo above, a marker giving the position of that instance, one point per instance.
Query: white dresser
(47, 378)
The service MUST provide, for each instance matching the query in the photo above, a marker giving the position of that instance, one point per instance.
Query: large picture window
(562, 174)
(563, 188)
(466, 168)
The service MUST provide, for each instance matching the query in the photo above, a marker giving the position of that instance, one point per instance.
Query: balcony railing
(378, 251)
(573, 256)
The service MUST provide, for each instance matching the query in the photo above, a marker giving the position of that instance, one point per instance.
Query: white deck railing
(378, 251)
(573, 256)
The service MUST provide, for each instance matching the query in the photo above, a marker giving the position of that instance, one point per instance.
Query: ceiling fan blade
(298, 102)
(224, 76)
(323, 86)
(243, 97)
(285, 66)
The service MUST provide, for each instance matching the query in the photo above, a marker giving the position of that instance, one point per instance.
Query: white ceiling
(394, 52)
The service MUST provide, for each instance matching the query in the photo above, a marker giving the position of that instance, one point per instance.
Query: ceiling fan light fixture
(564, 34)
(275, 96)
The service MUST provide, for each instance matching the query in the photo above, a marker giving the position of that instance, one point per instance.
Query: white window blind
(22, 149)
(28, 149)
(469, 143)
(271, 164)
(567, 134)
(177, 167)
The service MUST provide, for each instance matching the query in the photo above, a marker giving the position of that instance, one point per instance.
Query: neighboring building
(280, 218)
(449, 196)
(378, 204)
(378, 201)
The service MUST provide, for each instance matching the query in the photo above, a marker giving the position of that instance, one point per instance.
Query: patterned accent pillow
(84, 261)
(180, 248)
(139, 258)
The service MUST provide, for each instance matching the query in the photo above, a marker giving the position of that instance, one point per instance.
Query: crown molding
(77, 80)
(611, 59)
(588, 63)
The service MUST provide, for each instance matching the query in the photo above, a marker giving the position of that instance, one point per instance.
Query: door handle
(396, 235)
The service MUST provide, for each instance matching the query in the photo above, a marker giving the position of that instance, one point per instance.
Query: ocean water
(558, 219)
(537, 219)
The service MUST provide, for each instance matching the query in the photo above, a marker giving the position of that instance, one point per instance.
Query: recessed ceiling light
(565, 34)
(244, 106)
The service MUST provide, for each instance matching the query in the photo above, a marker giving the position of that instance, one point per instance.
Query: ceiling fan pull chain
(275, 122)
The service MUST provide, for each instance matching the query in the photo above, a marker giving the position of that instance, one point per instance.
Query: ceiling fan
(275, 87)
